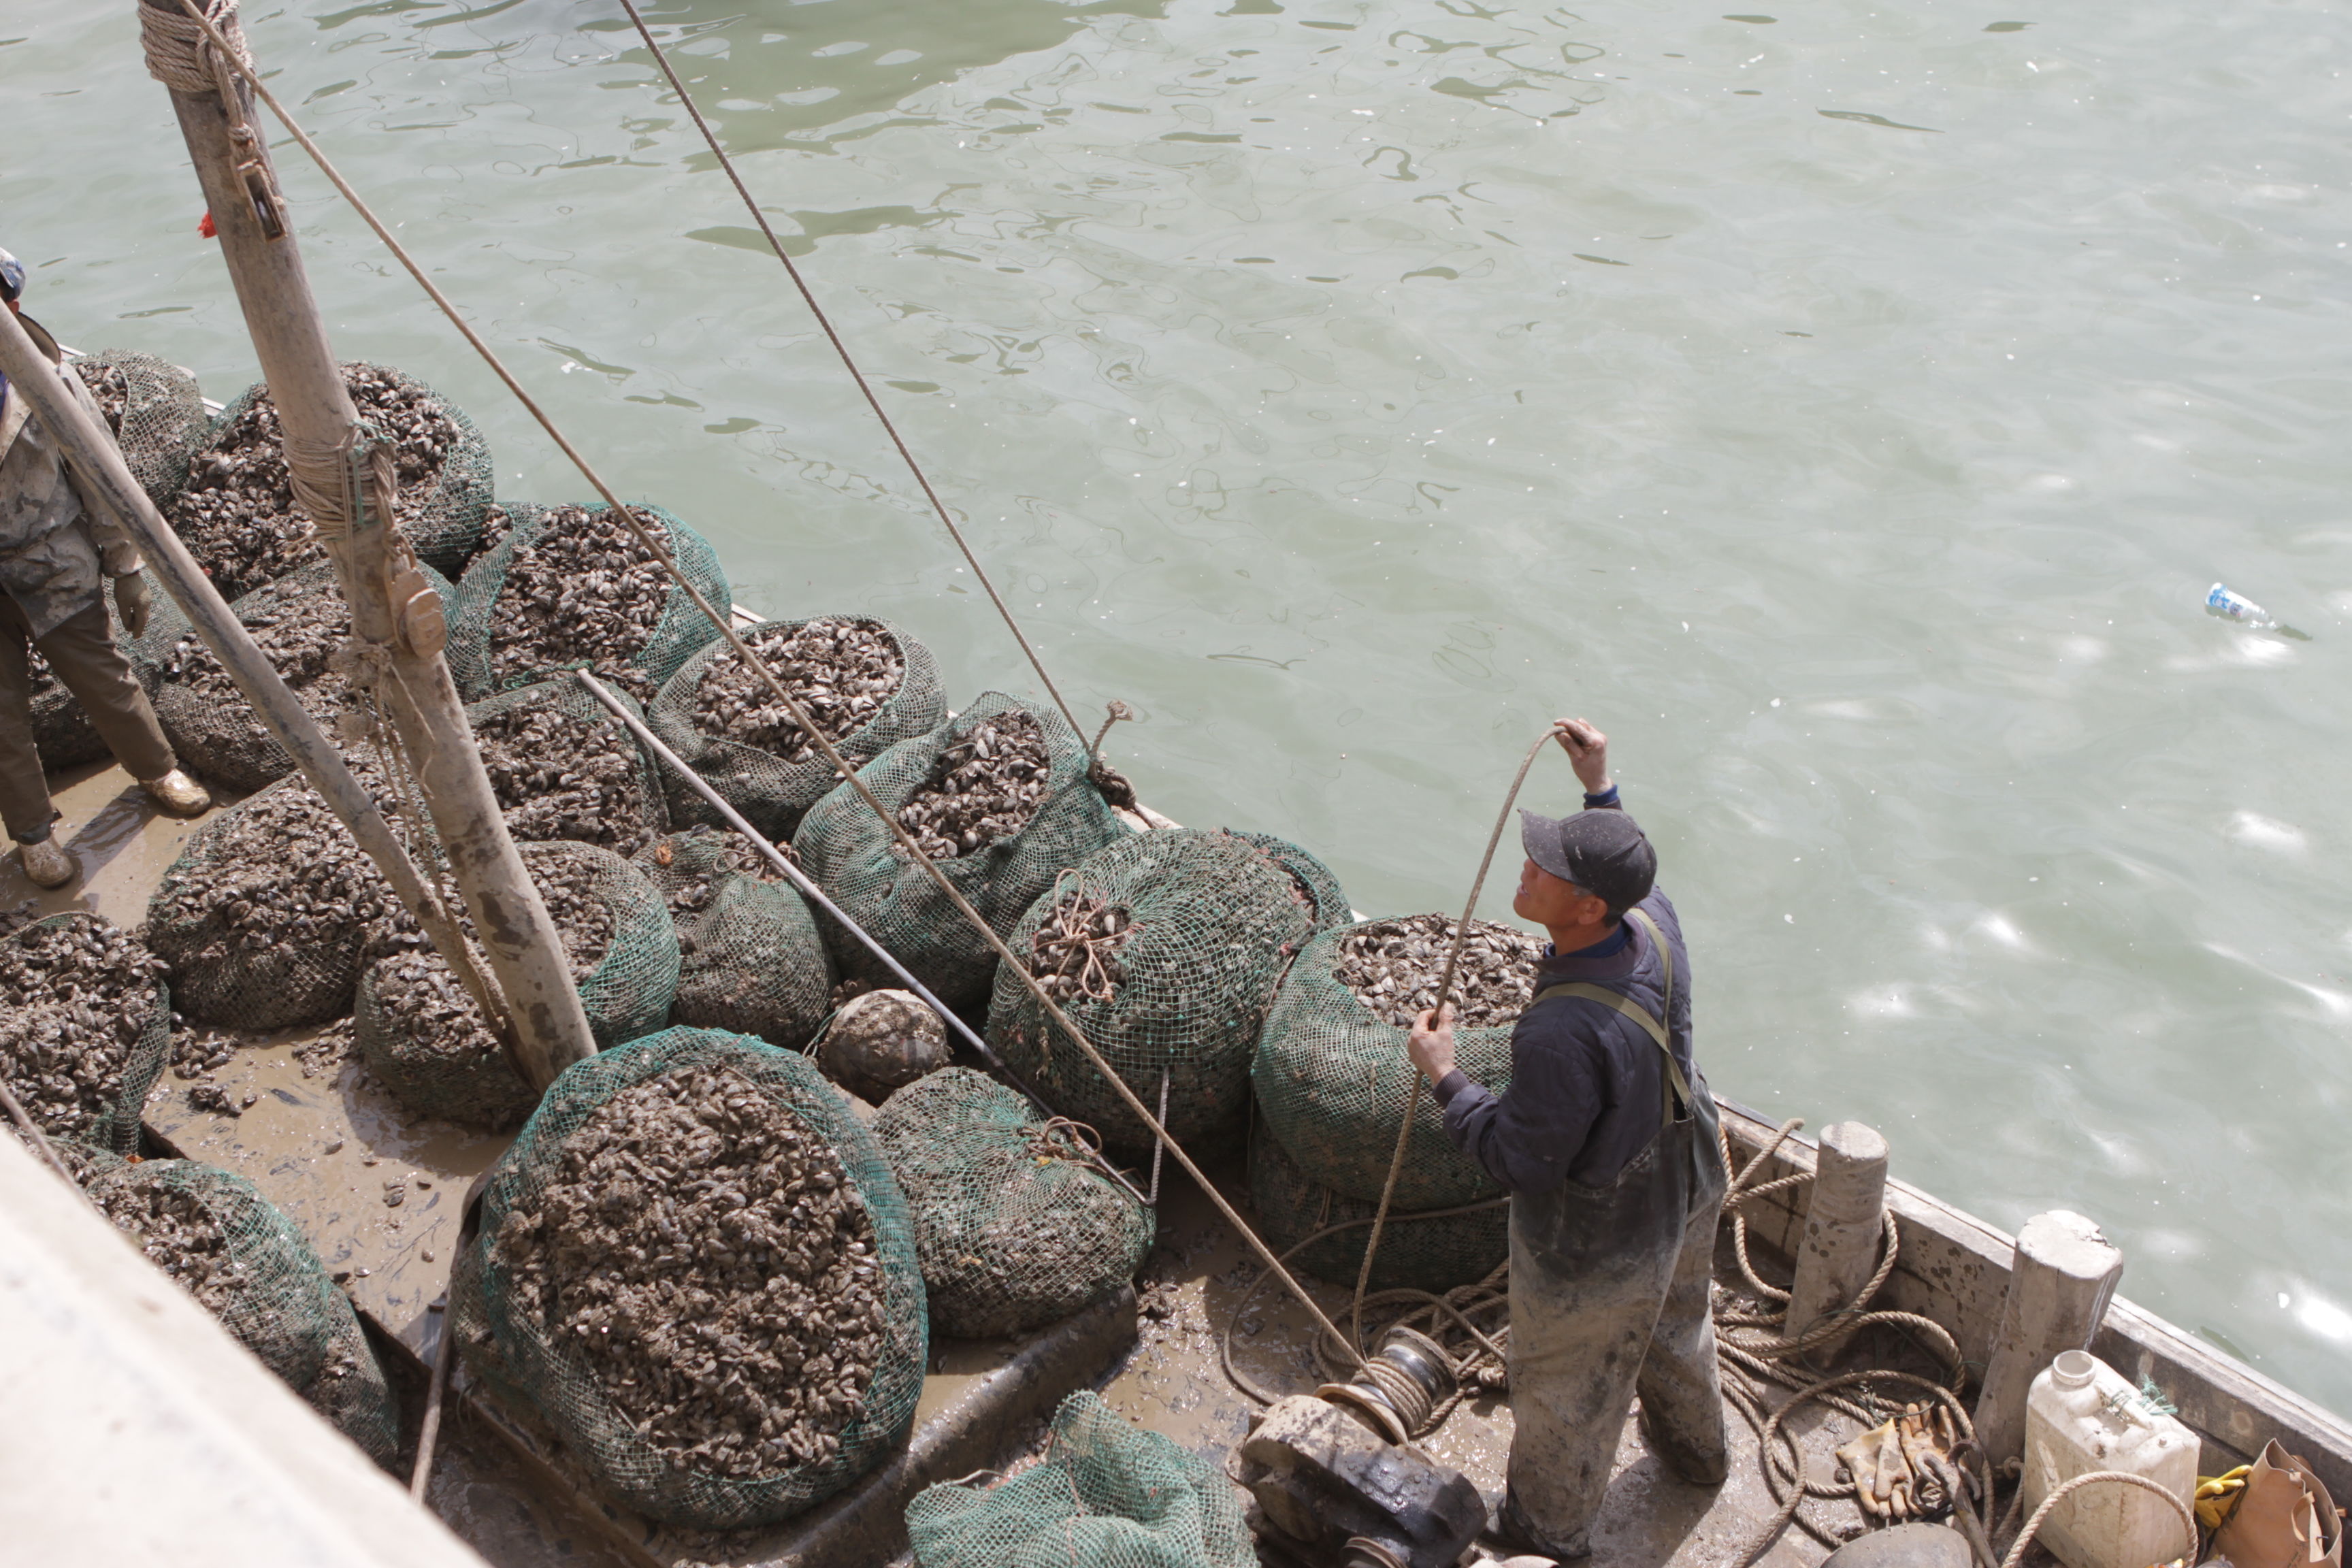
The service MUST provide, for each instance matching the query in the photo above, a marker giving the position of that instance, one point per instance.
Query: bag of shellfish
(866, 683)
(563, 767)
(751, 959)
(571, 587)
(154, 411)
(85, 1027)
(1108, 1494)
(419, 1031)
(1331, 1073)
(245, 1263)
(695, 1266)
(1016, 1224)
(265, 918)
(1166, 948)
(999, 798)
(301, 623)
(1421, 1250)
(237, 515)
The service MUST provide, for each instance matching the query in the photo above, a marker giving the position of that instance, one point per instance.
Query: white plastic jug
(2081, 1415)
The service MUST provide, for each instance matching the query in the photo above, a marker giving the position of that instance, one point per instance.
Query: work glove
(133, 602)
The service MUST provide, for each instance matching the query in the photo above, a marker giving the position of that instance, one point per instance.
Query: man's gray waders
(1609, 1297)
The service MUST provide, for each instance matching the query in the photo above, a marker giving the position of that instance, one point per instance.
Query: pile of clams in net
(585, 590)
(738, 856)
(839, 668)
(283, 877)
(984, 787)
(237, 515)
(75, 998)
(1393, 966)
(562, 775)
(178, 1235)
(419, 994)
(298, 634)
(703, 1256)
(1073, 951)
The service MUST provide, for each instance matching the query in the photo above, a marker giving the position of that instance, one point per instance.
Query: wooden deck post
(1839, 1249)
(344, 482)
(2064, 1276)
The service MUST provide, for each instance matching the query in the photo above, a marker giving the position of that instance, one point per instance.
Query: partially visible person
(58, 547)
(1607, 1143)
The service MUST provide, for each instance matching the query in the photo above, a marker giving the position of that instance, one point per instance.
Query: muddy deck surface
(325, 1143)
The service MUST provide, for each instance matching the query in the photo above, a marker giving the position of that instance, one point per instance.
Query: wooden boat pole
(342, 476)
(98, 464)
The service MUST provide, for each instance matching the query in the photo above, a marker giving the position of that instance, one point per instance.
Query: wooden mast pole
(343, 479)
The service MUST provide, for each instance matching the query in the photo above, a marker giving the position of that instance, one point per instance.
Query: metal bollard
(2060, 1283)
(1839, 1250)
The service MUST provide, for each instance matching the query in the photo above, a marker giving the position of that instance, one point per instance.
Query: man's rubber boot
(1691, 1467)
(45, 863)
(1511, 1531)
(178, 794)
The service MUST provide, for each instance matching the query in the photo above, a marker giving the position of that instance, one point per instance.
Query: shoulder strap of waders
(1678, 1086)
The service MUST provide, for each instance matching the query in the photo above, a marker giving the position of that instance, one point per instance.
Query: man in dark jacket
(56, 550)
(1607, 1143)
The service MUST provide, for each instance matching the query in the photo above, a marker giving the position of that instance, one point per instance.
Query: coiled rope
(659, 553)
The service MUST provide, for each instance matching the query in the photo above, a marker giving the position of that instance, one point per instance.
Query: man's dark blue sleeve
(1527, 1138)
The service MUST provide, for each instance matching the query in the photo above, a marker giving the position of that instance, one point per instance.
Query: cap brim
(1540, 836)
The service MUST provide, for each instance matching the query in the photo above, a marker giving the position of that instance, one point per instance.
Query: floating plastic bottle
(2232, 606)
(2081, 1415)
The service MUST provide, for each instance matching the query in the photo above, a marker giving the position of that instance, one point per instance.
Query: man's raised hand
(1588, 751)
(1430, 1044)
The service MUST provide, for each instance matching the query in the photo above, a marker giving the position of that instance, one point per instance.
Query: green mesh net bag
(1166, 948)
(563, 767)
(85, 1027)
(422, 1035)
(266, 917)
(1418, 1251)
(1108, 1494)
(153, 410)
(570, 587)
(237, 515)
(687, 1207)
(751, 959)
(1028, 812)
(301, 623)
(246, 1264)
(1016, 1228)
(865, 682)
(1331, 1073)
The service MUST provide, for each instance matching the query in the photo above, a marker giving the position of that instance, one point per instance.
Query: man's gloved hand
(133, 602)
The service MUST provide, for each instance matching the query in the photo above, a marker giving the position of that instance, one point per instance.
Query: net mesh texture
(265, 916)
(750, 958)
(155, 412)
(625, 991)
(261, 1280)
(237, 515)
(1015, 1228)
(1419, 1254)
(1214, 921)
(772, 791)
(478, 627)
(1332, 1078)
(85, 1027)
(853, 858)
(1108, 1494)
(563, 767)
(212, 728)
(516, 1355)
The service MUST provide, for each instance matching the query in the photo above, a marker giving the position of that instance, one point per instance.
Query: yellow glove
(2217, 1495)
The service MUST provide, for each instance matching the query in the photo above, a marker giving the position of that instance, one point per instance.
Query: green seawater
(1847, 408)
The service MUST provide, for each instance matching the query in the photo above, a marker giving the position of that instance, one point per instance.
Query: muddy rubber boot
(178, 794)
(45, 863)
(1511, 1531)
(1688, 1464)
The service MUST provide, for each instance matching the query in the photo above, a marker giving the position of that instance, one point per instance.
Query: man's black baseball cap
(1602, 852)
